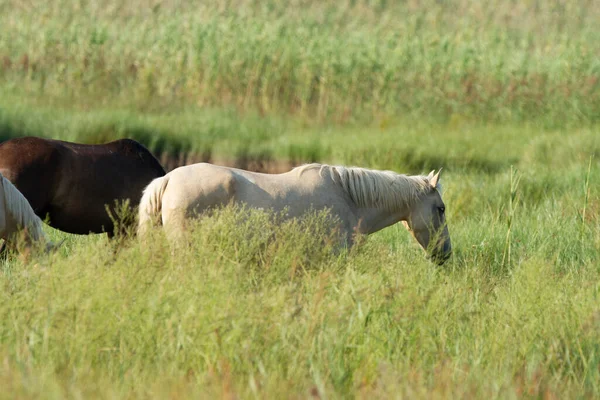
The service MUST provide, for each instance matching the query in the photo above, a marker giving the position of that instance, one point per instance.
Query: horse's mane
(18, 207)
(372, 188)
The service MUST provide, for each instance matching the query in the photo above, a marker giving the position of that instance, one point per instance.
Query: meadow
(504, 95)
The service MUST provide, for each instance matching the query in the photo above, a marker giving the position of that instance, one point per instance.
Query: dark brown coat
(71, 183)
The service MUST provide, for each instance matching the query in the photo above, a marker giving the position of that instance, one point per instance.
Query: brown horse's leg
(3, 249)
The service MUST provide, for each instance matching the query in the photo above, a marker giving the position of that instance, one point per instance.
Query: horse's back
(117, 168)
(201, 186)
(30, 164)
(95, 176)
(27, 152)
(122, 155)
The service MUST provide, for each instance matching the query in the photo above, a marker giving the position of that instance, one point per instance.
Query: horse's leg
(183, 201)
(3, 222)
(174, 223)
(3, 249)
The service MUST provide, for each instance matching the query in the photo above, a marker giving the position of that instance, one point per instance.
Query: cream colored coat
(16, 215)
(365, 201)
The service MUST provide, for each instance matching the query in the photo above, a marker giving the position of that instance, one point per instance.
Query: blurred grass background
(339, 61)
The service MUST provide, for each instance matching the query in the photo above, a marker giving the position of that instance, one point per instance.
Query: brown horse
(72, 184)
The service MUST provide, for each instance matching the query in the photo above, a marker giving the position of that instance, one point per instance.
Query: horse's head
(427, 222)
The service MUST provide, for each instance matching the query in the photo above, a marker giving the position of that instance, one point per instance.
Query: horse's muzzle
(442, 253)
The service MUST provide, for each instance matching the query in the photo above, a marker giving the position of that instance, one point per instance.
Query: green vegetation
(330, 60)
(254, 310)
(497, 93)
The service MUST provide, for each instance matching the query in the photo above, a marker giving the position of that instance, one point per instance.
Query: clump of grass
(252, 307)
(586, 191)
(510, 214)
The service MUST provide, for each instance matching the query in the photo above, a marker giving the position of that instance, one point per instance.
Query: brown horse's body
(71, 183)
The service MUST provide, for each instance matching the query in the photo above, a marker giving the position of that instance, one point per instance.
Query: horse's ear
(434, 180)
(430, 176)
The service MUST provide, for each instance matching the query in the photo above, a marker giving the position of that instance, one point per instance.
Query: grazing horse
(364, 200)
(16, 215)
(72, 184)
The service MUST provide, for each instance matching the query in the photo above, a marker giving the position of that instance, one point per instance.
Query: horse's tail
(151, 204)
(17, 206)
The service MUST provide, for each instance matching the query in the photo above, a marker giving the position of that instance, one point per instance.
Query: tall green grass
(276, 144)
(249, 309)
(331, 60)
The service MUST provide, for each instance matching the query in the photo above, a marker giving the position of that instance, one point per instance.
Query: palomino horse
(16, 215)
(364, 200)
(73, 184)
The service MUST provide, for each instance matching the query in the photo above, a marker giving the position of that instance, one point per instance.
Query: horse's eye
(441, 209)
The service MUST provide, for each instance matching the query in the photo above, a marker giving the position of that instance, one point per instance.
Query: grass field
(503, 95)
(327, 60)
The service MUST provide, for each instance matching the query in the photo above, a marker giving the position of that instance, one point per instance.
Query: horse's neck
(371, 220)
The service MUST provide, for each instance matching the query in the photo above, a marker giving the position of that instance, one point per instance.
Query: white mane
(372, 188)
(18, 207)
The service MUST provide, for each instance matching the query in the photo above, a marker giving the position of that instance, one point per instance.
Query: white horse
(17, 216)
(364, 200)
